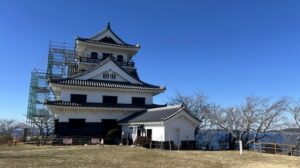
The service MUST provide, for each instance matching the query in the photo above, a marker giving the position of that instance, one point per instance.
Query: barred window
(112, 76)
(105, 75)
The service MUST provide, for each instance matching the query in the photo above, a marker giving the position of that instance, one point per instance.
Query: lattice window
(109, 75)
(106, 75)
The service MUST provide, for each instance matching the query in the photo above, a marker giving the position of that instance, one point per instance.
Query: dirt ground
(136, 157)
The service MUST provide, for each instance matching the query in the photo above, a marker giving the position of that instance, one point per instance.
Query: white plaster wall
(118, 77)
(96, 96)
(187, 129)
(90, 116)
(158, 132)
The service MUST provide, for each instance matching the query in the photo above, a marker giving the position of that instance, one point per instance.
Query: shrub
(4, 138)
(143, 141)
(113, 136)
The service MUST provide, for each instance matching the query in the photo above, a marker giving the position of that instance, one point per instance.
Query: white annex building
(104, 95)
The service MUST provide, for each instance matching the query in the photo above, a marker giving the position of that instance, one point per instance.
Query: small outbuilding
(164, 125)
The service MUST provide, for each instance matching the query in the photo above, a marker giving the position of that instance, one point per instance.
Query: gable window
(106, 75)
(138, 100)
(120, 58)
(106, 55)
(78, 98)
(109, 75)
(110, 99)
(112, 76)
(94, 55)
(76, 123)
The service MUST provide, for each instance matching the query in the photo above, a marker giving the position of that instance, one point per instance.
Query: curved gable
(109, 66)
(108, 34)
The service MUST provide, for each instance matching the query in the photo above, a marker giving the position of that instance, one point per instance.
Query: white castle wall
(90, 116)
(96, 97)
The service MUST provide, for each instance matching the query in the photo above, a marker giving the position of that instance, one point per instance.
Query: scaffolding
(61, 61)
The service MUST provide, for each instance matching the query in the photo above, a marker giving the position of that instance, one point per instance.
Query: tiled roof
(155, 114)
(75, 104)
(107, 84)
(108, 28)
(108, 44)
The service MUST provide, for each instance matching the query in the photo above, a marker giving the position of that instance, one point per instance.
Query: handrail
(92, 60)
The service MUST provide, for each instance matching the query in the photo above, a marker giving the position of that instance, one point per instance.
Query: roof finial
(108, 25)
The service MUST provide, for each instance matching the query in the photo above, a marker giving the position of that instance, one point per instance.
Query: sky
(227, 49)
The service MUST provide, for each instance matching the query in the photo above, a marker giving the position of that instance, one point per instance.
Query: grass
(128, 157)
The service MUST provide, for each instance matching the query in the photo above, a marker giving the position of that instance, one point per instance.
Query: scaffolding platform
(61, 60)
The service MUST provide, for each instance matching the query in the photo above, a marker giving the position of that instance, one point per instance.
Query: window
(138, 100)
(78, 98)
(106, 75)
(110, 99)
(94, 55)
(149, 133)
(109, 75)
(120, 58)
(76, 123)
(112, 76)
(106, 55)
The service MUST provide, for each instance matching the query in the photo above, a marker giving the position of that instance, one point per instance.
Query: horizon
(227, 50)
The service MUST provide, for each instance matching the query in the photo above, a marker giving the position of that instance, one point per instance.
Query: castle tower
(103, 87)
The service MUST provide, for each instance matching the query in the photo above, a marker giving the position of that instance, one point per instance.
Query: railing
(89, 60)
(92, 60)
(277, 149)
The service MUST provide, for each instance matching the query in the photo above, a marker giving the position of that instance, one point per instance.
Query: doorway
(177, 139)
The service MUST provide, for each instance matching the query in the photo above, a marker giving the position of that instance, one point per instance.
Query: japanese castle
(106, 94)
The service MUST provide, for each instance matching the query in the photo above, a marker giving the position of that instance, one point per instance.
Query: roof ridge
(173, 114)
(109, 44)
(108, 28)
(179, 106)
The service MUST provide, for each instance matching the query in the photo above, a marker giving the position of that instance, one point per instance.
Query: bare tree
(291, 135)
(10, 127)
(198, 105)
(44, 122)
(251, 121)
(294, 110)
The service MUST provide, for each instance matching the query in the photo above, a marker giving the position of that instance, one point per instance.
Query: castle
(103, 94)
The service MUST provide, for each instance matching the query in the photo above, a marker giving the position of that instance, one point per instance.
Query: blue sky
(227, 49)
